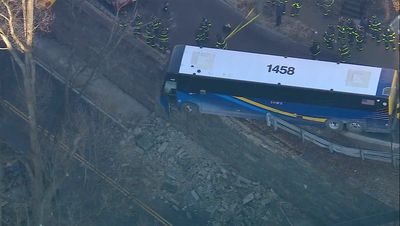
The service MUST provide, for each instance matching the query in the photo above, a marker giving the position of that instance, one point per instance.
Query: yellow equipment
(247, 20)
(394, 95)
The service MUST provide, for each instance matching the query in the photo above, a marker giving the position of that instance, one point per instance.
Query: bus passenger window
(386, 91)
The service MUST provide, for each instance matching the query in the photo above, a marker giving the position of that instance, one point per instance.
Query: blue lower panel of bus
(257, 108)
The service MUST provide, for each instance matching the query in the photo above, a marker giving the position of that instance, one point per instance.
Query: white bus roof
(253, 67)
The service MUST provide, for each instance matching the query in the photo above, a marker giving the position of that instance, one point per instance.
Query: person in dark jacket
(166, 6)
(280, 8)
(329, 37)
(315, 50)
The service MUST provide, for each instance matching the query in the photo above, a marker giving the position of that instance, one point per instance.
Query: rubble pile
(191, 180)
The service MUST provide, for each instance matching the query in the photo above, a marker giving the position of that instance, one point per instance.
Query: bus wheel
(355, 127)
(190, 108)
(334, 124)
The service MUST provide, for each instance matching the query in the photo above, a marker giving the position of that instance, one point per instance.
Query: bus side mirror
(170, 87)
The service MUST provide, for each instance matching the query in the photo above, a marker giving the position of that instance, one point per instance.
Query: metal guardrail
(392, 156)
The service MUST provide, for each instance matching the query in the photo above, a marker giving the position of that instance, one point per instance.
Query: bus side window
(386, 91)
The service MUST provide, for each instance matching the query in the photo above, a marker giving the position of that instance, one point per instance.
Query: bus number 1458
(281, 69)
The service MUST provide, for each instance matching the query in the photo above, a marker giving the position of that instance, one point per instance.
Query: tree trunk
(35, 155)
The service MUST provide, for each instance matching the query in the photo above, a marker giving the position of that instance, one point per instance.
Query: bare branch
(29, 22)
(6, 18)
(11, 27)
(23, 3)
(16, 75)
(12, 51)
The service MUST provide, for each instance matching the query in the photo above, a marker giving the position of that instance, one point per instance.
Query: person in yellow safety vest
(351, 31)
(137, 25)
(344, 52)
(150, 36)
(359, 41)
(375, 28)
(156, 24)
(389, 38)
(163, 39)
(296, 6)
(201, 37)
(221, 43)
(342, 29)
(326, 6)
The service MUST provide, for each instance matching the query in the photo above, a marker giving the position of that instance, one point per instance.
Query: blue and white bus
(249, 85)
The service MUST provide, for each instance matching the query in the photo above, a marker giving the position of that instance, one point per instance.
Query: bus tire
(190, 108)
(355, 126)
(334, 124)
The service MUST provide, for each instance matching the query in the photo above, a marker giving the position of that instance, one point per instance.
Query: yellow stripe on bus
(314, 119)
(279, 111)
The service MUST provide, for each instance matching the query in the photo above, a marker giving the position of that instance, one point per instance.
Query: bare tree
(46, 167)
(18, 22)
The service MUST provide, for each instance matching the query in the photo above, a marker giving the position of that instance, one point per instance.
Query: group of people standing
(347, 34)
(343, 36)
(295, 6)
(202, 34)
(155, 34)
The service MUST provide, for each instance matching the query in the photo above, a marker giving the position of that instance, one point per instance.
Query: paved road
(187, 14)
